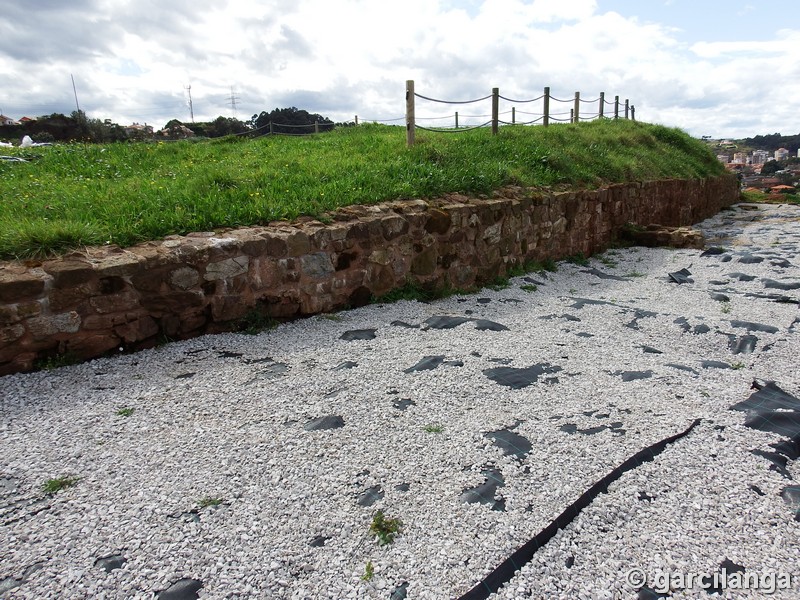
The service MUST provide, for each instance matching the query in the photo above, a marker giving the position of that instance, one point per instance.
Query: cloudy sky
(712, 67)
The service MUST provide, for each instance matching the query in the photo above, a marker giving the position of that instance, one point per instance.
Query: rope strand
(453, 101)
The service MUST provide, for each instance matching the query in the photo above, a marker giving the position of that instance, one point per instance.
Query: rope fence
(545, 117)
(575, 114)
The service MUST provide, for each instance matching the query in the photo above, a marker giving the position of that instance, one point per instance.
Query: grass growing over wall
(71, 195)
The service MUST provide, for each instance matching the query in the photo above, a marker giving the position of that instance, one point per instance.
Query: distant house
(176, 132)
(4, 120)
(781, 154)
(137, 129)
(24, 120)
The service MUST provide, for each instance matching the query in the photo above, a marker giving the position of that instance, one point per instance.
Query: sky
(718, 68)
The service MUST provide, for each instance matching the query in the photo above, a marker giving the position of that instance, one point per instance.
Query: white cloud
(133, 60)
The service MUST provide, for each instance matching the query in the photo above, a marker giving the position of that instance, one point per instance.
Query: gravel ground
(237, 466)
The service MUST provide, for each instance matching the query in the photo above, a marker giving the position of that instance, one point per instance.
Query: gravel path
(236, 466)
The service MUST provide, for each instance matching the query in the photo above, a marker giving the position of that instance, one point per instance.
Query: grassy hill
(68, 196)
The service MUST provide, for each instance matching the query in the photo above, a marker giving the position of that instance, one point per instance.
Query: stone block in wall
(92, 344)
(439, 221)
(18, 287)
(118, 263)
(113, 303)
(9, 315)
(192, 320)
(317, 265)
(393, 226)
(227, 269)
(230, 307)
(254, 246)
(160, 304)
(136, 331)
(309, 287)
(380, 256)
(349, 280)
(25, 310)
(276, 244)
(11, 333)
(284, 306)
(316, 303)
(69, 273)
(379, 279)
(45, 326)
(424, 263)
(264, 273)
(491, 234)
(107, 321)
(298, 243)
(70, 298)
(21, 361)
(184, 278)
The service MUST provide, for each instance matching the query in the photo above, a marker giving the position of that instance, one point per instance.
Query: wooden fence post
(270, 128)
(356, 120)
(616, 107)
(546, 108)
(495, 109)
(577, 107)
(316, 126)
(627, 108)
(572, 115)
(633, 112)
(456, 119)
(602, 104)
(410, 113)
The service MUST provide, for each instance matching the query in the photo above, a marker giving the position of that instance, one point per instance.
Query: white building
(740, 158)
(781, 154)
(760, 157)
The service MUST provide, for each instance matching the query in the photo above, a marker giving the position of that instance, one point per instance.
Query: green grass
(384, 528)
(578, 259)
(49, 363)
(209, 501)
(254, 322)
(125, 412)
(433, 429)
(609, 262)
(369, 572)
(73, 195)
(53, 486)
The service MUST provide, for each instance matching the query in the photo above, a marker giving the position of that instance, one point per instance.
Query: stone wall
(100, 300)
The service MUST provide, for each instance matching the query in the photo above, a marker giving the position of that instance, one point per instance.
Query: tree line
(773, 141)
(77, 127)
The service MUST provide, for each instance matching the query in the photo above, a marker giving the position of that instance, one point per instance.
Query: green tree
(222, 126)
(770, 167)
(290, 121)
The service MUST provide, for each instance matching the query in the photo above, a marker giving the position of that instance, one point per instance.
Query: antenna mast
(75, 91)
(191, 109)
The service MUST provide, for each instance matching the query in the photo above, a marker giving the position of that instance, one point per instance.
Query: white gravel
(222, 417)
